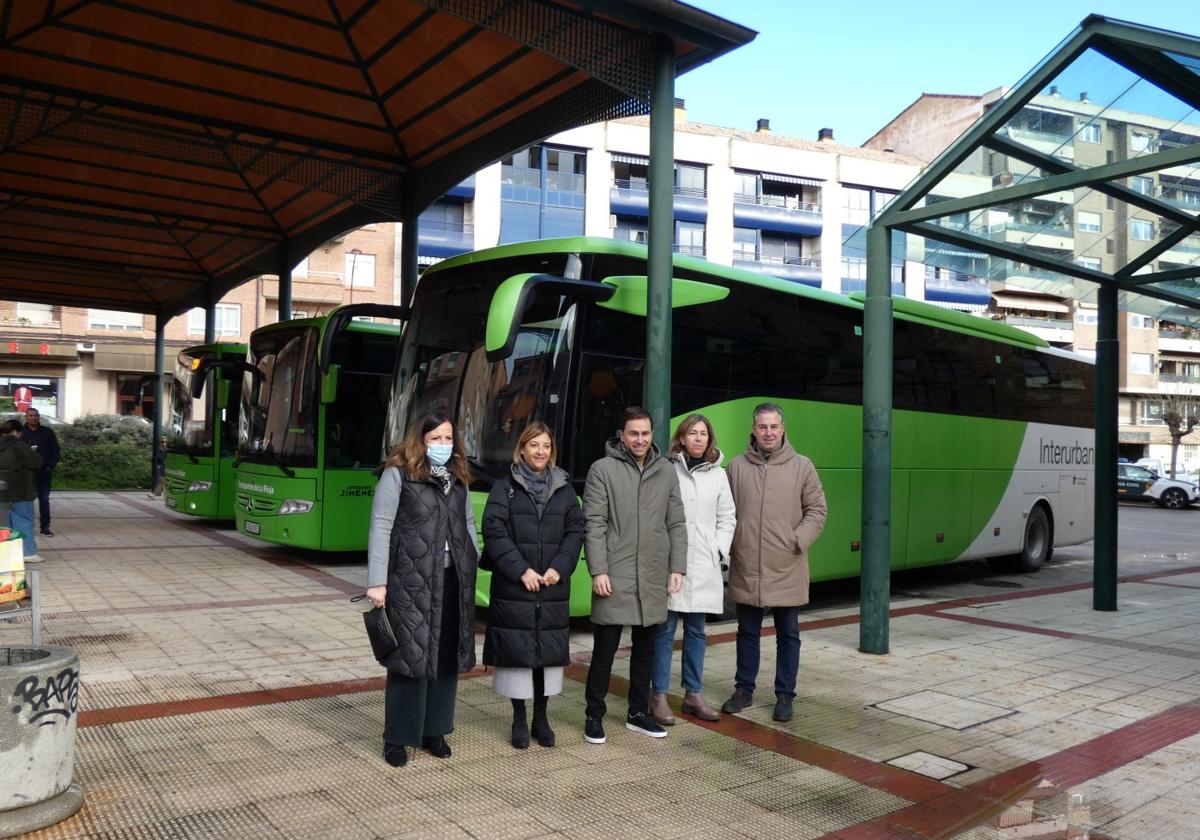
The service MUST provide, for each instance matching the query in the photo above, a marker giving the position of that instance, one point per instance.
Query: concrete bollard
(40, 687)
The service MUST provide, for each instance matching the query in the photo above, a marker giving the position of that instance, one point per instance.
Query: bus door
(607, 386)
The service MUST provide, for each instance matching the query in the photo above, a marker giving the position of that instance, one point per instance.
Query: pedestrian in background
(42, 440)
(19, 467)
(708, 505)
(780, 513)
(421, 560)
(532, 534)
(636, 537)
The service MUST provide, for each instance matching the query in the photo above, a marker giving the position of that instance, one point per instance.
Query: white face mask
(438, 453)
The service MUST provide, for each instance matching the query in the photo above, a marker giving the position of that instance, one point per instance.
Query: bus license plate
(171, 503)
(253, 527)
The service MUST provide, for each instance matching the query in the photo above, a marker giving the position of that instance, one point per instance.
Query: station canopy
(157, 153)
(1086, 173)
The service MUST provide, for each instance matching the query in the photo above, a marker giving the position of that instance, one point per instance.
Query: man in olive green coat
(780, 513)
(635, 535)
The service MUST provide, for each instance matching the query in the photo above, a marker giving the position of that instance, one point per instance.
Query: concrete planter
(40, 690)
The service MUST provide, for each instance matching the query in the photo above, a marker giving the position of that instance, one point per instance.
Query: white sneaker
(34, 558)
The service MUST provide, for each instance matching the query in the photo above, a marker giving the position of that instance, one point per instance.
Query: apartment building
(79, 361)
(1160, 359)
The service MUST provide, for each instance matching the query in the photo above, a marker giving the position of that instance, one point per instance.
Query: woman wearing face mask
(421, 561)
(532, 531)
(708, 503)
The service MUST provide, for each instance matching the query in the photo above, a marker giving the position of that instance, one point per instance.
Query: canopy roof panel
(154, 151)
(1087, 170)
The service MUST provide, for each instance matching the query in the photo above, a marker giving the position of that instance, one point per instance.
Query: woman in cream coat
(711, 520)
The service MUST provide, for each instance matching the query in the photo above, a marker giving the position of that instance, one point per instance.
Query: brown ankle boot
(661, 710)
(693, 704)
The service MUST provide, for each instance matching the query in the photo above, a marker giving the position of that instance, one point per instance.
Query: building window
(1141, 322)
(1140, 141)
(360, 270)
(857, 204)
(631, 228)
(1142, 363)
(689, 238)
(1090, 132)
(745, 187)
(35, 314)
(542, 193)
(42, 392)
(1086, 316)
(1150, 413)
(107, 319)
(1141, 230)
(1092, 263)
(127, 386)
(690, 179)
(228, 320)
(854, 268)
(1142, 184)
(1086, 222)
(745, 244)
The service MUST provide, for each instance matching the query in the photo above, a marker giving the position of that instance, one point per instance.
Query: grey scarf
(538, 485)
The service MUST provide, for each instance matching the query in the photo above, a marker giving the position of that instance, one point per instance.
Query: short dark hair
(34, 410)
(635, 412)
(10, 427)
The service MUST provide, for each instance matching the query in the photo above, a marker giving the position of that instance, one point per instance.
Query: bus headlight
(197, 486)
(294, 506)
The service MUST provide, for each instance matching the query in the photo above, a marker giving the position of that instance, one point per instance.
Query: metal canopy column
(285, 281)
(1104, 568)
(160, 332)
(877, 444)
(210, 316)
(662, 240)
(409, 229)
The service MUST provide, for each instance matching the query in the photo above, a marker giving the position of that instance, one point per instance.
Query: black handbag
(379, 631)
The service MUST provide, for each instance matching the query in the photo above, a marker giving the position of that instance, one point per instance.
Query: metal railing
(1042, 323)
(690, 250)
(640, 185)
(782, 202)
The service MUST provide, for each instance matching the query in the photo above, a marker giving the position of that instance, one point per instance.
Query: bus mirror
(511, 297)
(329, 384)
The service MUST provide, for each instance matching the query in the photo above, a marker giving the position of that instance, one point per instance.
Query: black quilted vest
(426, 520)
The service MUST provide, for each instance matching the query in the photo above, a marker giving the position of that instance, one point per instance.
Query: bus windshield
(279, 413)
(190, 429)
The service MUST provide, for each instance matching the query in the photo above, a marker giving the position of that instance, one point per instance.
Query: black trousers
(43, 494)
(417, 709)
(606, 638)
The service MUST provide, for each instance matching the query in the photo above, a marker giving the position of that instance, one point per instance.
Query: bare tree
(1181, 413)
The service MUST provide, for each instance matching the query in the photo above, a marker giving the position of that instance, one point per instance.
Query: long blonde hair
(411, 454)
(537, 427)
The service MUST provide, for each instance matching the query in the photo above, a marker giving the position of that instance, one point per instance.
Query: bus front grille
(254, 505)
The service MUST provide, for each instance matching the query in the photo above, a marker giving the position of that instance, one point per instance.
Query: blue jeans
(787, 647)
(694, 644)
(20, 518)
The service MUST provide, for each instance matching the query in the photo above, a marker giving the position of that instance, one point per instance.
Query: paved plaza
(228, 691)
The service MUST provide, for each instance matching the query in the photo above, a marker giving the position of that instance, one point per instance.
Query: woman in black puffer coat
(532, 533)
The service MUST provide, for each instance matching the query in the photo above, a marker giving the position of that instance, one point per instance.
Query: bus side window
(608, 385)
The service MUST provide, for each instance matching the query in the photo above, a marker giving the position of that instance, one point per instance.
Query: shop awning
(1035, 303)
(23, 348)
(125, 358)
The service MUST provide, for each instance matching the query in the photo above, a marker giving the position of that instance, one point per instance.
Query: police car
(1134, 482)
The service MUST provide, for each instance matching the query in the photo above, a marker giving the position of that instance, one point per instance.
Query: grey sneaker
(783, 708)
(740, 700)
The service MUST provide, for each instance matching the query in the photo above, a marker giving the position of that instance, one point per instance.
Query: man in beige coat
(780, 513)
(635, 536)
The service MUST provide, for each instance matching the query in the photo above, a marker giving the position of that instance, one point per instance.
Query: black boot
(520, 729)
(395, 755)
(541, 723)
(436, 746)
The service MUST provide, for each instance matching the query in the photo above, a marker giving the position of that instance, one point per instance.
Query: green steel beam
(1052, 164)
(1132, 281)
(409, 269)
(958, 151)
(877, 445)
(1090, 177)
(1104, 546)
(1143, 36)
(210, 315)
(1154, 67)
(662, 241)
(1154, 252)
(1166, 295)
(285, 280)
(160, 352)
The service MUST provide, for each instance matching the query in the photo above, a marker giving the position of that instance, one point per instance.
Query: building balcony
(805, 270)
(690, 250)
(444, 239)
(1053, 237)
(1171, 383)
(1176, 342)
(946, 286)
(1060, 145)
(464, 189)
(1053, 330)
(769, 212)
(632, 198)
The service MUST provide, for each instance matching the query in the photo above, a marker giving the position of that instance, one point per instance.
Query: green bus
(992, 434)
(313, 410)
(202, 428)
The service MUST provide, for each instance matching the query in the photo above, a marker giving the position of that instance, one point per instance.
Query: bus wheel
(1039, 544)
(1175, 499)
